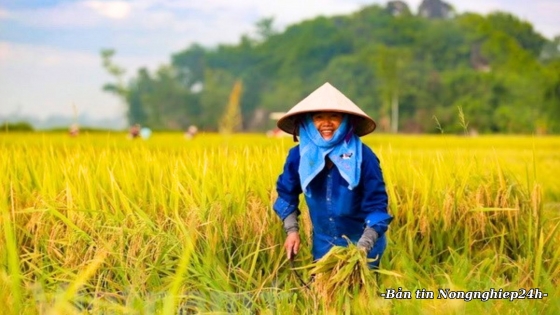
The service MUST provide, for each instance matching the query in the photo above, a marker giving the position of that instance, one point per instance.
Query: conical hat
(327, 98)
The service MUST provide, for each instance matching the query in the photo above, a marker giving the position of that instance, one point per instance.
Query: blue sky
(49, 49)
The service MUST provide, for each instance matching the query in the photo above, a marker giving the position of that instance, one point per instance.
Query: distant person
(279, 133)
(340, 177)
(145, 133)
(134, 131)
(275, 133)
(74, 130)
(191, 132)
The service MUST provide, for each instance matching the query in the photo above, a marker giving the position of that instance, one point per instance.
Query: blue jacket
(334, 209)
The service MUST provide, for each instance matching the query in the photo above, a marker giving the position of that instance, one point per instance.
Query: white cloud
(37, 56)
(548, 24)
(115, 10)
(285, 12)
(43, 81)
(542, 14)
(64, 15)
(4, 52)
(293, 10)
(480, 6)
(178, 16)
(3, 14)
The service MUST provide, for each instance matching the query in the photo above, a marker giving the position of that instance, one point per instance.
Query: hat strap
(297, 123)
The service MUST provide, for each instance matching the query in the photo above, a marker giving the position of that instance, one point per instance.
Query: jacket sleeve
(288, 186)
(375, 198)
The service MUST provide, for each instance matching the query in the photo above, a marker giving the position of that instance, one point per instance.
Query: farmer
(191, 132)
(339, 176)
(134, 131)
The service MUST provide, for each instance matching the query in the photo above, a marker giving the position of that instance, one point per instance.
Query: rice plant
(100, 224)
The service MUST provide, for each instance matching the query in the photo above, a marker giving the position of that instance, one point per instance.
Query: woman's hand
(368, 239)
(292, 244)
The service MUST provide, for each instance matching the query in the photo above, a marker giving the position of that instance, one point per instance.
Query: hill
(436, 71)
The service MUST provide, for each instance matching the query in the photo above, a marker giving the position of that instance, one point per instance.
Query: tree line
(478, 73)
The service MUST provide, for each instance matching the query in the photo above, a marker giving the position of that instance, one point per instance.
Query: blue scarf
(344, 149)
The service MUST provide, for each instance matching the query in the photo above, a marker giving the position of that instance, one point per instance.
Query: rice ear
(342, 272)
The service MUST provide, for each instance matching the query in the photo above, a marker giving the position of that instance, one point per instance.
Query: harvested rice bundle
(342, 273)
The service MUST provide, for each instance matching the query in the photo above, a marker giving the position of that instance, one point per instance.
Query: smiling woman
(339, 176)
(327, 123)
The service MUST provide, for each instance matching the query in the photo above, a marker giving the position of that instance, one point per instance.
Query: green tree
(169, 104)
(552, 98)
(214, 96)
(134, 112)
(391, 63)
(190, 65)
(265, 28)
(522, 31)
(489, 66)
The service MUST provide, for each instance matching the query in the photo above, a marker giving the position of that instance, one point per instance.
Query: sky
(50, 49)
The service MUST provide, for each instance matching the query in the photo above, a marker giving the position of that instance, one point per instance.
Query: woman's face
(327, 123)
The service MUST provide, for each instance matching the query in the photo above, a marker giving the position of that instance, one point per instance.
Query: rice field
(100, 224)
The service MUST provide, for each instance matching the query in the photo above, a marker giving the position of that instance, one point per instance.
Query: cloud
(43, 81)
(542, 14)
(4, 52)
(285, 12)
(63, 15)
(3, 14)
(195, 17)
(39, 56)
(548, 23)
(115, 10)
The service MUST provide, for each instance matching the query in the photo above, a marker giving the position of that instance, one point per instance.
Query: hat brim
(362, 125)
(326, 99)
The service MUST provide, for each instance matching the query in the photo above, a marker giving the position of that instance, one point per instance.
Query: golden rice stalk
(341, 274)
